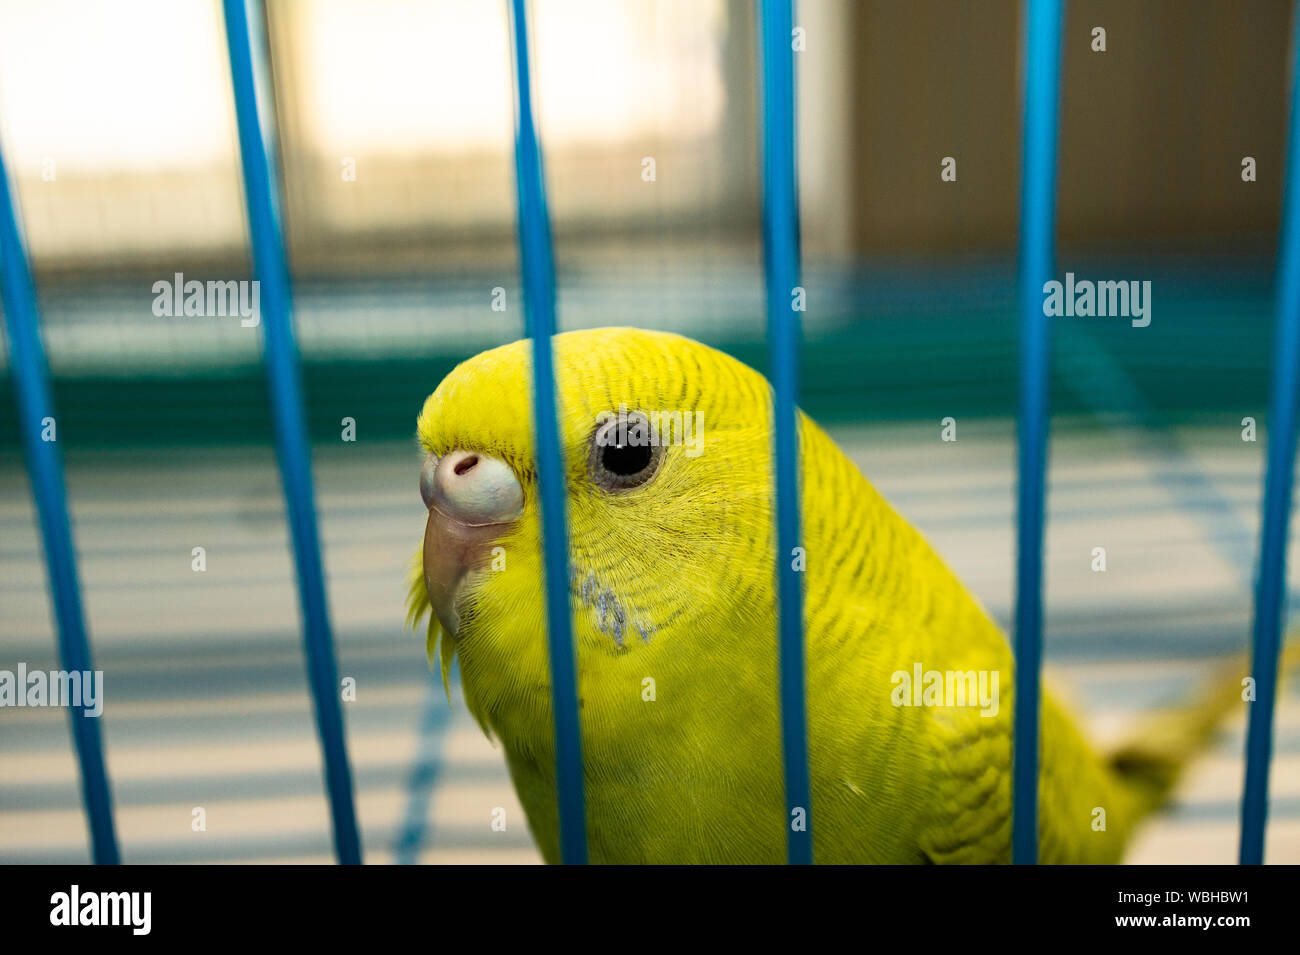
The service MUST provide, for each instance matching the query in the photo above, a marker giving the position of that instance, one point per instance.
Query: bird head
(666, 449)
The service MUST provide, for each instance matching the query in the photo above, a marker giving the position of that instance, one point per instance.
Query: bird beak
(474, 500)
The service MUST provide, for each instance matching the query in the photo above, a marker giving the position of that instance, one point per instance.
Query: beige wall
(1152, 131)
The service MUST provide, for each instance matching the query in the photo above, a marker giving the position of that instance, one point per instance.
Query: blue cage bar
(36, 405)
(538, 267)
(1037, 225)
(781, 264)
(1043, 21)
(290, 424)
(1270, 593)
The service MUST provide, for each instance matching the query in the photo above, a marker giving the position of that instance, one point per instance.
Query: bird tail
(1150, 764)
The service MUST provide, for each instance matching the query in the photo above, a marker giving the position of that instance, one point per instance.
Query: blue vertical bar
(1270, 590)
(35, 403)
(1037, 224)
(781, 261)
(539, 309)
(290, 425)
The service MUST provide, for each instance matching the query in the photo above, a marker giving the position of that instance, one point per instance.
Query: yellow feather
(674, 623)
(417, 605)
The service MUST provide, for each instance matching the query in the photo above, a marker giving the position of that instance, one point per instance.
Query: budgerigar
(672, 591)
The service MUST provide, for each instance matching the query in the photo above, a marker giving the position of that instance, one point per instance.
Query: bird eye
(426, 479)
(623, 453)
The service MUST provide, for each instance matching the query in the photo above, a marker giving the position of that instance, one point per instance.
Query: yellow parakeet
(672, 592)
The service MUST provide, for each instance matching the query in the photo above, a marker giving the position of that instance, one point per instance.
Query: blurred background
(395, 124)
